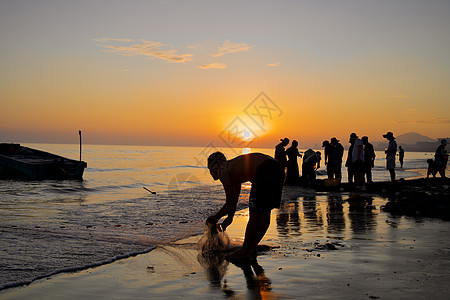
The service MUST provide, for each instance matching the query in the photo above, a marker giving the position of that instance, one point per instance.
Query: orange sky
(172, 73)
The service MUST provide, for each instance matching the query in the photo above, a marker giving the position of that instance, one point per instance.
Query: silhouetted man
(266, 175)
(369, 158)
(390, 151)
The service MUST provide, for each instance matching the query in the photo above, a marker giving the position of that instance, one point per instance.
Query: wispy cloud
(400, 96)
(277, 64)
(434, 121)
(129, 47)
(229, 47)
(213, 66)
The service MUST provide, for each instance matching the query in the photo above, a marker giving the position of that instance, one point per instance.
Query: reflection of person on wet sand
(267, 178)
(292, 174)
(257, 283)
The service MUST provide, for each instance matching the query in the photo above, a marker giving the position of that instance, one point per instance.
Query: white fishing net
(213, 239)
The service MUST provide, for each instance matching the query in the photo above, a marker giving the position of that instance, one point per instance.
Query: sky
(235, 73)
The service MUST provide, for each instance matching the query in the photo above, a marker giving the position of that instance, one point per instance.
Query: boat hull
(18, 162)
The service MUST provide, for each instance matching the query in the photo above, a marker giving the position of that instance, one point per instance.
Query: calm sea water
(52, 226)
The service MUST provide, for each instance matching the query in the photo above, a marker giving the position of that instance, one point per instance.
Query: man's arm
(232, 191)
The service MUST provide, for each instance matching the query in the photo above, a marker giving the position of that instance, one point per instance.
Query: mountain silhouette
(412, 138)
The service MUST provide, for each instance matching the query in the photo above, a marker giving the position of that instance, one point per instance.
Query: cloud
(213, 66)
(277, 64)
(129, 47)
(401, 96)
(229, 47)
(434, 121)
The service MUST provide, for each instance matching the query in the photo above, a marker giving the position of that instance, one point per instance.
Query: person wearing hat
(441, 158)
(390, 151)
(280, 152)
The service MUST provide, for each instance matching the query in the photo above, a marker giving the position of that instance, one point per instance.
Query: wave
(74, 269)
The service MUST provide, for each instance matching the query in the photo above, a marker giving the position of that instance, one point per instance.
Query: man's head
(285, 141)
(444, 142)
(353, 138)
(365, 140)
(334, 141)
(215, 161)
(325, 143)
(389, 135)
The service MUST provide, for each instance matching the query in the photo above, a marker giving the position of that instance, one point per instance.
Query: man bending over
(266, 176)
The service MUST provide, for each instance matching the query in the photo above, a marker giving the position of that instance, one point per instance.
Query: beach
(320, 246)
(107, 237)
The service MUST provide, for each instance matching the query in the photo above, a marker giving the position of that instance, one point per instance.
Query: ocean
(48, 227)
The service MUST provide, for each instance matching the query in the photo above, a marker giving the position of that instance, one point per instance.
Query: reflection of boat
(18, 162)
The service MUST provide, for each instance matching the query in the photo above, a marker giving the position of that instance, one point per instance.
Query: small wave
(75, 269)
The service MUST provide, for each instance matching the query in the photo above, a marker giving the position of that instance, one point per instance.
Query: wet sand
(323, 246)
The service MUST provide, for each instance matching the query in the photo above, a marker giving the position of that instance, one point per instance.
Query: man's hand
(212, 220)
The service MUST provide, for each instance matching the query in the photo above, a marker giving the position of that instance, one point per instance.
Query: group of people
(288, 161)
(360, 160)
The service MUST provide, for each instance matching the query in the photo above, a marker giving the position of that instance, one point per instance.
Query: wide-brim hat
(388, 134)
(334, 140)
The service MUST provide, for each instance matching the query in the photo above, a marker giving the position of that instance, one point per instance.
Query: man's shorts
(390, 162)
(267, 186)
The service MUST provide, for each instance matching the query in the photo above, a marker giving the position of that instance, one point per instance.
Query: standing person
(390, 151)
(327, 148)
(267, 178)
(336, 157)
(280, 152)
(358, 161)
(440, 159)
(292, 174)
(401, 155)
(369, 158)
(349, 165)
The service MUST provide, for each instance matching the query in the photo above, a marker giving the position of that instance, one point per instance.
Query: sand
(321, 248)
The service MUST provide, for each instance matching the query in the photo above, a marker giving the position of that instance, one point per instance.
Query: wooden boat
(19, 162)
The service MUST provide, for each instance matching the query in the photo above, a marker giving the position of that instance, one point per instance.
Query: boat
(19, 162)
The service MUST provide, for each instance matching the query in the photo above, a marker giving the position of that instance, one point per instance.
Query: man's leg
(257, 226)
(392, 172)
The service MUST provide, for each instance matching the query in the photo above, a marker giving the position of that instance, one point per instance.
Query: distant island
(412, 141)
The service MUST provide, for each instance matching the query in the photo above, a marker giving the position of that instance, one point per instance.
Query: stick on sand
(154, 193)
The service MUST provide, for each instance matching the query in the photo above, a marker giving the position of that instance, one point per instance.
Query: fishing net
(213, 239)
(212, 246)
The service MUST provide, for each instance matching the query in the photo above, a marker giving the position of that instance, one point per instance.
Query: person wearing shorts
(266, 175)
